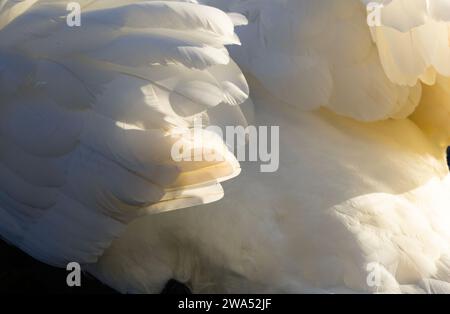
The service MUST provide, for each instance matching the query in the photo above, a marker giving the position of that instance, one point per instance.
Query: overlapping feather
(89, 115)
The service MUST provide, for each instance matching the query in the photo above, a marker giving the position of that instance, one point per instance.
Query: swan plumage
(88, 117)
(363, 178)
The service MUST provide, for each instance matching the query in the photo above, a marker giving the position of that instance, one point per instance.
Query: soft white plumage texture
(363, 179)
(324, 57)
(363, 130)
(89, 115)
(413, 40)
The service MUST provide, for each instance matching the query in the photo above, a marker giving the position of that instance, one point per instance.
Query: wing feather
(89, 116)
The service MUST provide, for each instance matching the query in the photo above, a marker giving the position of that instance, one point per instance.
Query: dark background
(20, 273)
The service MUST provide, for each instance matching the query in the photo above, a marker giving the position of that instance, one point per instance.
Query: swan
(359, 203)
(89, 116)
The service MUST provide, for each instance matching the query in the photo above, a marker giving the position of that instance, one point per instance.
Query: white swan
(360, 202)
(89, 116)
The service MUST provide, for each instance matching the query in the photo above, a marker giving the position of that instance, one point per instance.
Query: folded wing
(90, 115)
